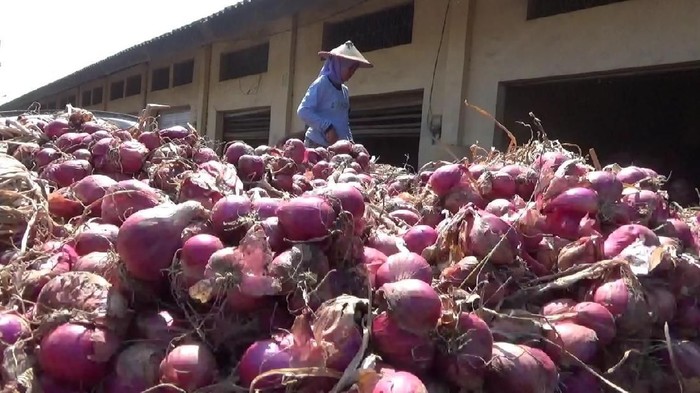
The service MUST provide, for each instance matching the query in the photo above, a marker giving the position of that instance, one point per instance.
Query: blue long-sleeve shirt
(324, 105)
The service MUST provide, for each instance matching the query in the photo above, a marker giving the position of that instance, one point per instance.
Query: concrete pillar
(283, 52)
(203, 82)
(458, 46)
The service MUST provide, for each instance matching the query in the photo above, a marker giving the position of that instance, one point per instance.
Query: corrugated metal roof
(227, 23)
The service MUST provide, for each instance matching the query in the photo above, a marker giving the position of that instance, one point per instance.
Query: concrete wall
(629, 34)
(184, 96)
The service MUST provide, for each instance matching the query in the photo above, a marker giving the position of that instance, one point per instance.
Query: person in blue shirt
(326, 105)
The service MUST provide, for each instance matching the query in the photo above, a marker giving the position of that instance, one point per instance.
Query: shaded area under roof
(228, 23)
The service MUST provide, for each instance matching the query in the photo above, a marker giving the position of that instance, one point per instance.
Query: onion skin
(335, 324)
(96, 238)
(558, 306)
(77, 355)
(484, 235)
(520, 369)
(403, 266)
(189, 367)
(402, 298)
(126, 198)
(404, 350)
(226, 215)
(386, 244)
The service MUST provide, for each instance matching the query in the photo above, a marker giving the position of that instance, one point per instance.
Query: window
(251, 126)
(384, 29)
(116, 90)
(71, 100)
(183, 72)
(86, 98)
(245, 62)
(51, 105)
(97, 94)
(160, 79)
(133, 85)
(543, 8)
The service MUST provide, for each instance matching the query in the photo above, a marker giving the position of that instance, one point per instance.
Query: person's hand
(331, 135)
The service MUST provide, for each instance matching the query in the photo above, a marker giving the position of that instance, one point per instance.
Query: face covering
(333, 68)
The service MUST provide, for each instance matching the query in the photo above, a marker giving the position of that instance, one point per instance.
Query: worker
(326, 105)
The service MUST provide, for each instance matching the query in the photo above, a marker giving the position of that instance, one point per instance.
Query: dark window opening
(388, 125)
(645, 119)
(251, 126)
(133, 85)
(116, 90)
(71, 100)
(160, 79)
(543, 8)
(384, 29)
(251, 61)
(97, 94)
(183, 72)
(51, 105)
(86, 98)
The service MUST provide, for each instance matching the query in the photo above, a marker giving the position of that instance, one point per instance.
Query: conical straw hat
(347, 51)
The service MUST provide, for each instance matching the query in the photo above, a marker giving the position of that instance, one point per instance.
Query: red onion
(100, 263)
(408, 216)
(468, 348)
(321, 170)
(399, 382)
(56, 128)
(485, 232)
(274, 234)
(227, 215)
(306, 218)
(577, 340)
(204, 154)
(646, 207)
(419, 237)
(294, 350)
(500, 207)
(596, 317)
(45, 156)
(12, 328)
(150, 139)
(82, 154)
(342, 146)
(123, 135)
(189, 367)
(446, 178)
(606, 185)
(347, 197)
(149, 238)
(687, 358)
(462, 195)
(625, 235)
(71, 141)
(127, 197)
(65, 173)
(402, 266)
(236, 150)
(195, 255)
(577, 200)
(387, 244)
(131, 155)
(135, 369)
(178, 133)
(251, 168)
(404, 350)
(294, 149)
(550, 160)
(402, 298)
(372, 259)
(629, 308)
(677, 228)
(297, 265)
(497, 185)
(77, 355)
(631, 175)
(558, 306)
(96, 237)
(520, 369)
(25, 154)
(62, 204)
(266, 207)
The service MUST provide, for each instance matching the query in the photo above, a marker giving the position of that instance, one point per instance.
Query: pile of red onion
(169, 264)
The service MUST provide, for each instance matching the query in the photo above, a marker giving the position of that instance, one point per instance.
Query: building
(617, 75)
